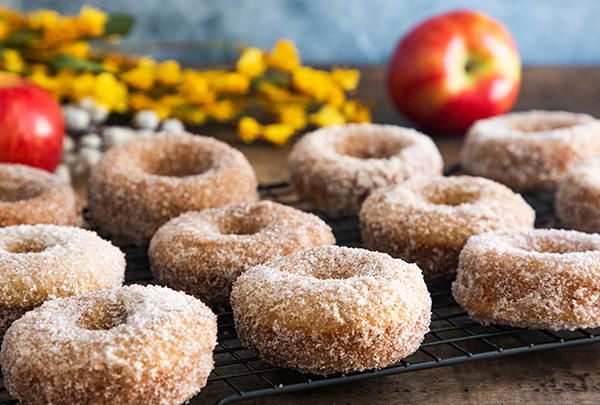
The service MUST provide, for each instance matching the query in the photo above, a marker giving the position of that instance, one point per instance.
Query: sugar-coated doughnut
(43, 262)
(203, 252)
(578, 197)
(336, 168)
(530, 150)
(140, 185)
(332, 309)
(126, 345)
(34, 196)
(542, 278)
(428, 220)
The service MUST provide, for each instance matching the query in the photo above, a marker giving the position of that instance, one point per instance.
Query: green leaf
(70, 62)
(20, 38)
(118, 24)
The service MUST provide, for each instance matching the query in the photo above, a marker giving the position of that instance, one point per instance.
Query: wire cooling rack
(454, 338)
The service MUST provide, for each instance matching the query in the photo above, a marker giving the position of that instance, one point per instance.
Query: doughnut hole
(333, 268)
(24, 246)
(334, 273)
(13, 193)
(546, 124)
(364, 146)
(176, 161)
(248, 225)
(544, 244)
(451, 196)
(102, 316)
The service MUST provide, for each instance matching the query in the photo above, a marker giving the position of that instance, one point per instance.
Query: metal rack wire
(454, 337)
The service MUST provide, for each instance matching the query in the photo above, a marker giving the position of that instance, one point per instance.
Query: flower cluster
(270, 95)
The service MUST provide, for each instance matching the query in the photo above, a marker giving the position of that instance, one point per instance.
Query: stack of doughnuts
(139, 186)
(43, 262)
(74, 334)
(204, 252)
(428, 220)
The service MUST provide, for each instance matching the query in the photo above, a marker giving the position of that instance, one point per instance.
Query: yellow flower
(141, 77)
(91, 21)
(278, 133)
(195, 88)
(222, 110)
(336, 96)
(4, 29)
(327, 115)
(274, 93)
(248, 129)
(235, 83)
(83, 86)
(47, 82)
(172, 100)
(12, 61)
(168, 73)
(346, 78)
(163, 111)
(114, 63)
(292, 115)
(110, 92)
(140, 101)
(251, 62)
(78, 49)
(12, 17)
(65, 29)
(41, 19)
(284, 56)
(110, 66)
(316, 83)
(190, 115)
(356, 112)
(65, 79)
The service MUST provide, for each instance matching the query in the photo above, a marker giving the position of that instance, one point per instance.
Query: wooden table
(564, 375)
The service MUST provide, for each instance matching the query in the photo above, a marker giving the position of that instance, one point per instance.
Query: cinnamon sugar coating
(125, 345)
(428, 220)
(332, 309)
(536, 278)
(43, 262)
(530, 150)
(336, 168)
(578, 197)
(140, 185)
(34, 196)
(204, 252)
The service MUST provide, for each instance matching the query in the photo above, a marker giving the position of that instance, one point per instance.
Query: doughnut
(530, 150)
(578, 197)
(138, 186)
(202, 253)
(336, 168)
(34, 196)
(43, 262)
(125, 345)
(535, 278)
(427, 221)
(332, 309)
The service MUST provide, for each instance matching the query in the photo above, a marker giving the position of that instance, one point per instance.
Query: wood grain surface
(567, 375)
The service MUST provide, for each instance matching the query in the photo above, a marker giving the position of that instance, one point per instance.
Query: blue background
(547, 31)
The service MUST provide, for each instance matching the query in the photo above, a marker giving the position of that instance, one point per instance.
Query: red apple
(31, 124)
(454, 69)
